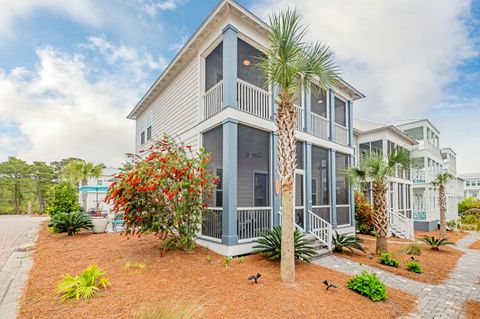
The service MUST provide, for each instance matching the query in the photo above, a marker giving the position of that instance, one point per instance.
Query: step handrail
(297, 226)
(321, 229)
(402, 224)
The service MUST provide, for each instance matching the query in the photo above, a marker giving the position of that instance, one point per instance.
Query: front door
(299, 198)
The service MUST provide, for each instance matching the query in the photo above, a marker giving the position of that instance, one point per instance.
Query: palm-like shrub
(86, 285)
(270, 244)
(435, 243)
(341, 242)
(70, 223)
(413, 249)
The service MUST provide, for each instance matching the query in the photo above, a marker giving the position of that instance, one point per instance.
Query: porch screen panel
(299, 154)
(342, 190)
(318, 99)
(320, 179)
(340, 112)
(247, 64)
(214, 67)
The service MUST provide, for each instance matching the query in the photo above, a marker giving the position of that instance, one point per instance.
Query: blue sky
(64, 65)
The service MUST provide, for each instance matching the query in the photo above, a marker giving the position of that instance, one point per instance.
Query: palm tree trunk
(84, 195)
(443, 210)
(285, 122)
(380, 216)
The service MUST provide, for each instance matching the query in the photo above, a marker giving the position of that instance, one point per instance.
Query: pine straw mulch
(451, 235)
(471, 309)
(188, 279)
(475, 245)
(436, 265)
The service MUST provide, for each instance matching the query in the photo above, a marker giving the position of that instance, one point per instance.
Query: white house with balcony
(471, 183)
(454, 188)
(371, 137)
(213, 95)
(427, 163)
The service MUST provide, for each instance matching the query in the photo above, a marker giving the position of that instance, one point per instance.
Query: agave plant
(86, 285)
(70, 223)
(341, 242)
(270, 244)
(435, 243)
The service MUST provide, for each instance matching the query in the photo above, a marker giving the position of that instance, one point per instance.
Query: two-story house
(371, 137)
(213, 95)
(454, 188)
(471, 184)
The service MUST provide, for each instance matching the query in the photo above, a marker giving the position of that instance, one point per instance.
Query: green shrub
(413, 249)
(368, 285)
(363, 214)
(63, 199)
(435, 243)
(469, 219)
(388, 259)
(270, 244)
(414, 266)
(467, 204)
(240, 260)
(86, 285)
(341, 242)
(70, 223)
(227, 260)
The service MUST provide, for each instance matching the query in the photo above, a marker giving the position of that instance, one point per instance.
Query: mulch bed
(452, 236)
(471, 308)
(189, 279)
(475, 245)
(436, 265)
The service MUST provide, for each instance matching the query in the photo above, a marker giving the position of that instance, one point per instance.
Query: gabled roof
(364, 126)
(191, 46)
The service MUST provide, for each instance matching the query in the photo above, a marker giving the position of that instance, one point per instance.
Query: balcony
(341, 134)
(300, 111)
(319, 125)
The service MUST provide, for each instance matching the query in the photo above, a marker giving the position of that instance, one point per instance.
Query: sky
(70, 71)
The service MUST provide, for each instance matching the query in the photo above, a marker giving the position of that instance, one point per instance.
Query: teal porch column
(230, 37)
(308, 184)
(350, 123)
(229, 216)
(331, 110)
(352, 195)
(332, 187)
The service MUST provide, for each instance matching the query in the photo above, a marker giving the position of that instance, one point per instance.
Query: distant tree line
(23, 184)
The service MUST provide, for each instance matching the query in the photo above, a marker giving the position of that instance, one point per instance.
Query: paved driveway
(15, 231)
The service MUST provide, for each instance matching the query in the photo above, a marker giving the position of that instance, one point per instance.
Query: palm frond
(442, 179)
(399, 156)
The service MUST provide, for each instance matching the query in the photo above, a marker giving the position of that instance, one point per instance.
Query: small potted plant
(99, 220)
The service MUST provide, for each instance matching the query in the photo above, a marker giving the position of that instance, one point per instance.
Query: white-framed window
(146, 129)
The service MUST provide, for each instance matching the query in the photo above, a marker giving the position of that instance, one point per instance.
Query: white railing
(321, 229)
(297, 226)
(253, 221)
(212, 100)
(212, 222)
(341, 134)
(253, 99)
(319, 126)
(400, 224)
(299, 111)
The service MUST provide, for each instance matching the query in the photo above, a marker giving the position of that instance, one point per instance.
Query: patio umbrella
(94, 188)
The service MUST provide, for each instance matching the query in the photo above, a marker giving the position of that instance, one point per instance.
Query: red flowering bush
(363, 214)
(164, 194)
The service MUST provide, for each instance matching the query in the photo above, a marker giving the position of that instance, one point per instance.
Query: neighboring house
(471, 184)
(381, 138)
(427, 163)
(95, 197)
(213, 95)
(454, 188)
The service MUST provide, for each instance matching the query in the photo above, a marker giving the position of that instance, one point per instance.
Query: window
(145, 126)
(318, 100)
(142, 138)
(260, 189)
(214, 67)
(247, 64)
(416, 133)
(149, 133)
(364, 149)
(342, 190)
(99, 182)
(377, 146)
(299, 154)
(253, 160)
(213, 144)
(320, 176)
(340, 112)
(314, 191)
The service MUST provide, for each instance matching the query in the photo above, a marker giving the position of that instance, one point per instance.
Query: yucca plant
(270, 244)
(70, 223)
(435, 243)
(86, 285)
(342, 241)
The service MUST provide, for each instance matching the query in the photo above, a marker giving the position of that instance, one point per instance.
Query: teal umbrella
(94, 188)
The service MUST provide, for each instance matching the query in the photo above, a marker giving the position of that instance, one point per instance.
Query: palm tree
(291, 64)
(375, 168)
(80, 171)
(439, 182)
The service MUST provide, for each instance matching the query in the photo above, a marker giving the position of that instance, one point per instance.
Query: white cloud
(151, 8)
(66, 106)
(84, 11)
(402, 54)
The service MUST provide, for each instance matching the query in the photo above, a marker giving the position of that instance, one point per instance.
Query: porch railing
(212, 223)
(319, 126)
(253, 99)
(212, 100)
(321, 229)
(400, 224)
(253, 221)
(341, 134)
(300, 112)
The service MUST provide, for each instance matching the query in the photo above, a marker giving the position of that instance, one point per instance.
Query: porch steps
(321, 250)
